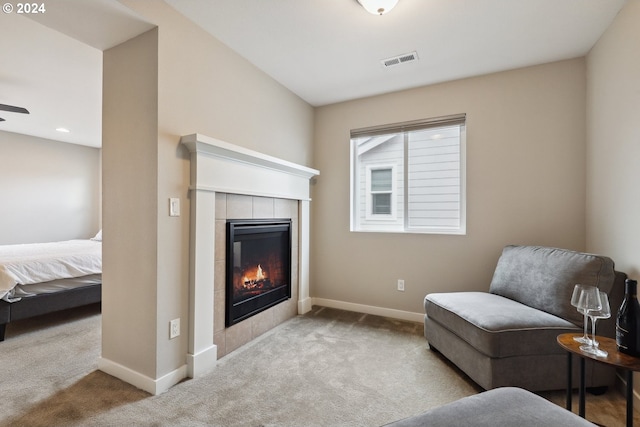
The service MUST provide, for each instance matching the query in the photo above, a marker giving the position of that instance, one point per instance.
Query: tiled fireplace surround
(237, 206)
(232, 182)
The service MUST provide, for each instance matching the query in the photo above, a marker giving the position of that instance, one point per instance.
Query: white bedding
(25, 291)
(42, 262)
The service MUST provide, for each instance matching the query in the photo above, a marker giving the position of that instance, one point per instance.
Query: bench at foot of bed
(47, 303)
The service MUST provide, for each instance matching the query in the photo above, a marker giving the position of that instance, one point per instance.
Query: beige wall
(613, 114)
(525, 185)
(202, 87)
(613, 149)
(50, 190)
(130, 181)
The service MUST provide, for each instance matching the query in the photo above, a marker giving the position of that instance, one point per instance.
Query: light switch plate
(174, 206)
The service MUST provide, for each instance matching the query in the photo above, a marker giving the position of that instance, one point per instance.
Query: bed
(42, 278)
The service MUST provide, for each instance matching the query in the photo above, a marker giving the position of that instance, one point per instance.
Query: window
(381, 192)
(409, 177)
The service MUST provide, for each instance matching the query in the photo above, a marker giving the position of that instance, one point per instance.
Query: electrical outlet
(174, 328)
(401, 285)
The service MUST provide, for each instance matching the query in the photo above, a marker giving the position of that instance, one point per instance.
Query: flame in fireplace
(260, 274)
(254, 276)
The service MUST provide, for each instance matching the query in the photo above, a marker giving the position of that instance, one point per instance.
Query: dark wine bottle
(628, 320)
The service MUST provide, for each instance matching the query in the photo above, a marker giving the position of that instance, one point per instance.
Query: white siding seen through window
(409, 177)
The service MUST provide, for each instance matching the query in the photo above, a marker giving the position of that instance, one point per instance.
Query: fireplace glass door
(258, 273)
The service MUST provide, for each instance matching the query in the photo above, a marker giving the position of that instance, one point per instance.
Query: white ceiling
(328, 51)
(51, 64)
(325, 51)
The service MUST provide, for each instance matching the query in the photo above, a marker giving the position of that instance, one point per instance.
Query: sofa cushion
(497, 326)
(543, 277)
(508, 406)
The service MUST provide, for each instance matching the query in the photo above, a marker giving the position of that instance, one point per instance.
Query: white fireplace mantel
(218, 166)
(227, 168)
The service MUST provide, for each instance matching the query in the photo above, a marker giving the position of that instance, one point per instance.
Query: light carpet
(325, 368)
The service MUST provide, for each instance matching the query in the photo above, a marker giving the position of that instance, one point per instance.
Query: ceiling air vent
(400, 59)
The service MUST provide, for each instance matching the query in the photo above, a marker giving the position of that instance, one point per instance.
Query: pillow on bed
(97, 237)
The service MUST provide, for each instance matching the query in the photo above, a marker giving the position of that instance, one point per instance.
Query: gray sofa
(507, 336)
(507, 406)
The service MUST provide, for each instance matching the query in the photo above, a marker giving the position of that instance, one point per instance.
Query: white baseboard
(202, 362)
(304, 306)
(369, 309)
(141, 381)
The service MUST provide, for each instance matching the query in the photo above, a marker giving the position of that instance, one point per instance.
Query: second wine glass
(604, 312)
(575, 299)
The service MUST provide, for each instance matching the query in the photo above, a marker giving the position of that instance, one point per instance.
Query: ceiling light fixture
(378, 7)
(63, 130)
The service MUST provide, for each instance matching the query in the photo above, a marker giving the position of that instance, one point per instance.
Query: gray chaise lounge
(507, 336)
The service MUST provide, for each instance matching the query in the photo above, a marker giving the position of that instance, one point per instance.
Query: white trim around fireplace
(217, 166)
(227, 168)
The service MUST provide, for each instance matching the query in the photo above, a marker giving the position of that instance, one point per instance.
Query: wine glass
(604, 312)
(588, 300)
(575, 298)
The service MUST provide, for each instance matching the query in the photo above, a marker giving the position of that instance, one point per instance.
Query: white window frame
(369, 193)
(356, 186)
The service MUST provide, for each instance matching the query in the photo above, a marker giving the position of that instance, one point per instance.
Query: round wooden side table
(614, 358)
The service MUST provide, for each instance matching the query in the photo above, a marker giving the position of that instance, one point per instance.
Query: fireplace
(258, 273)
(222, 172)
